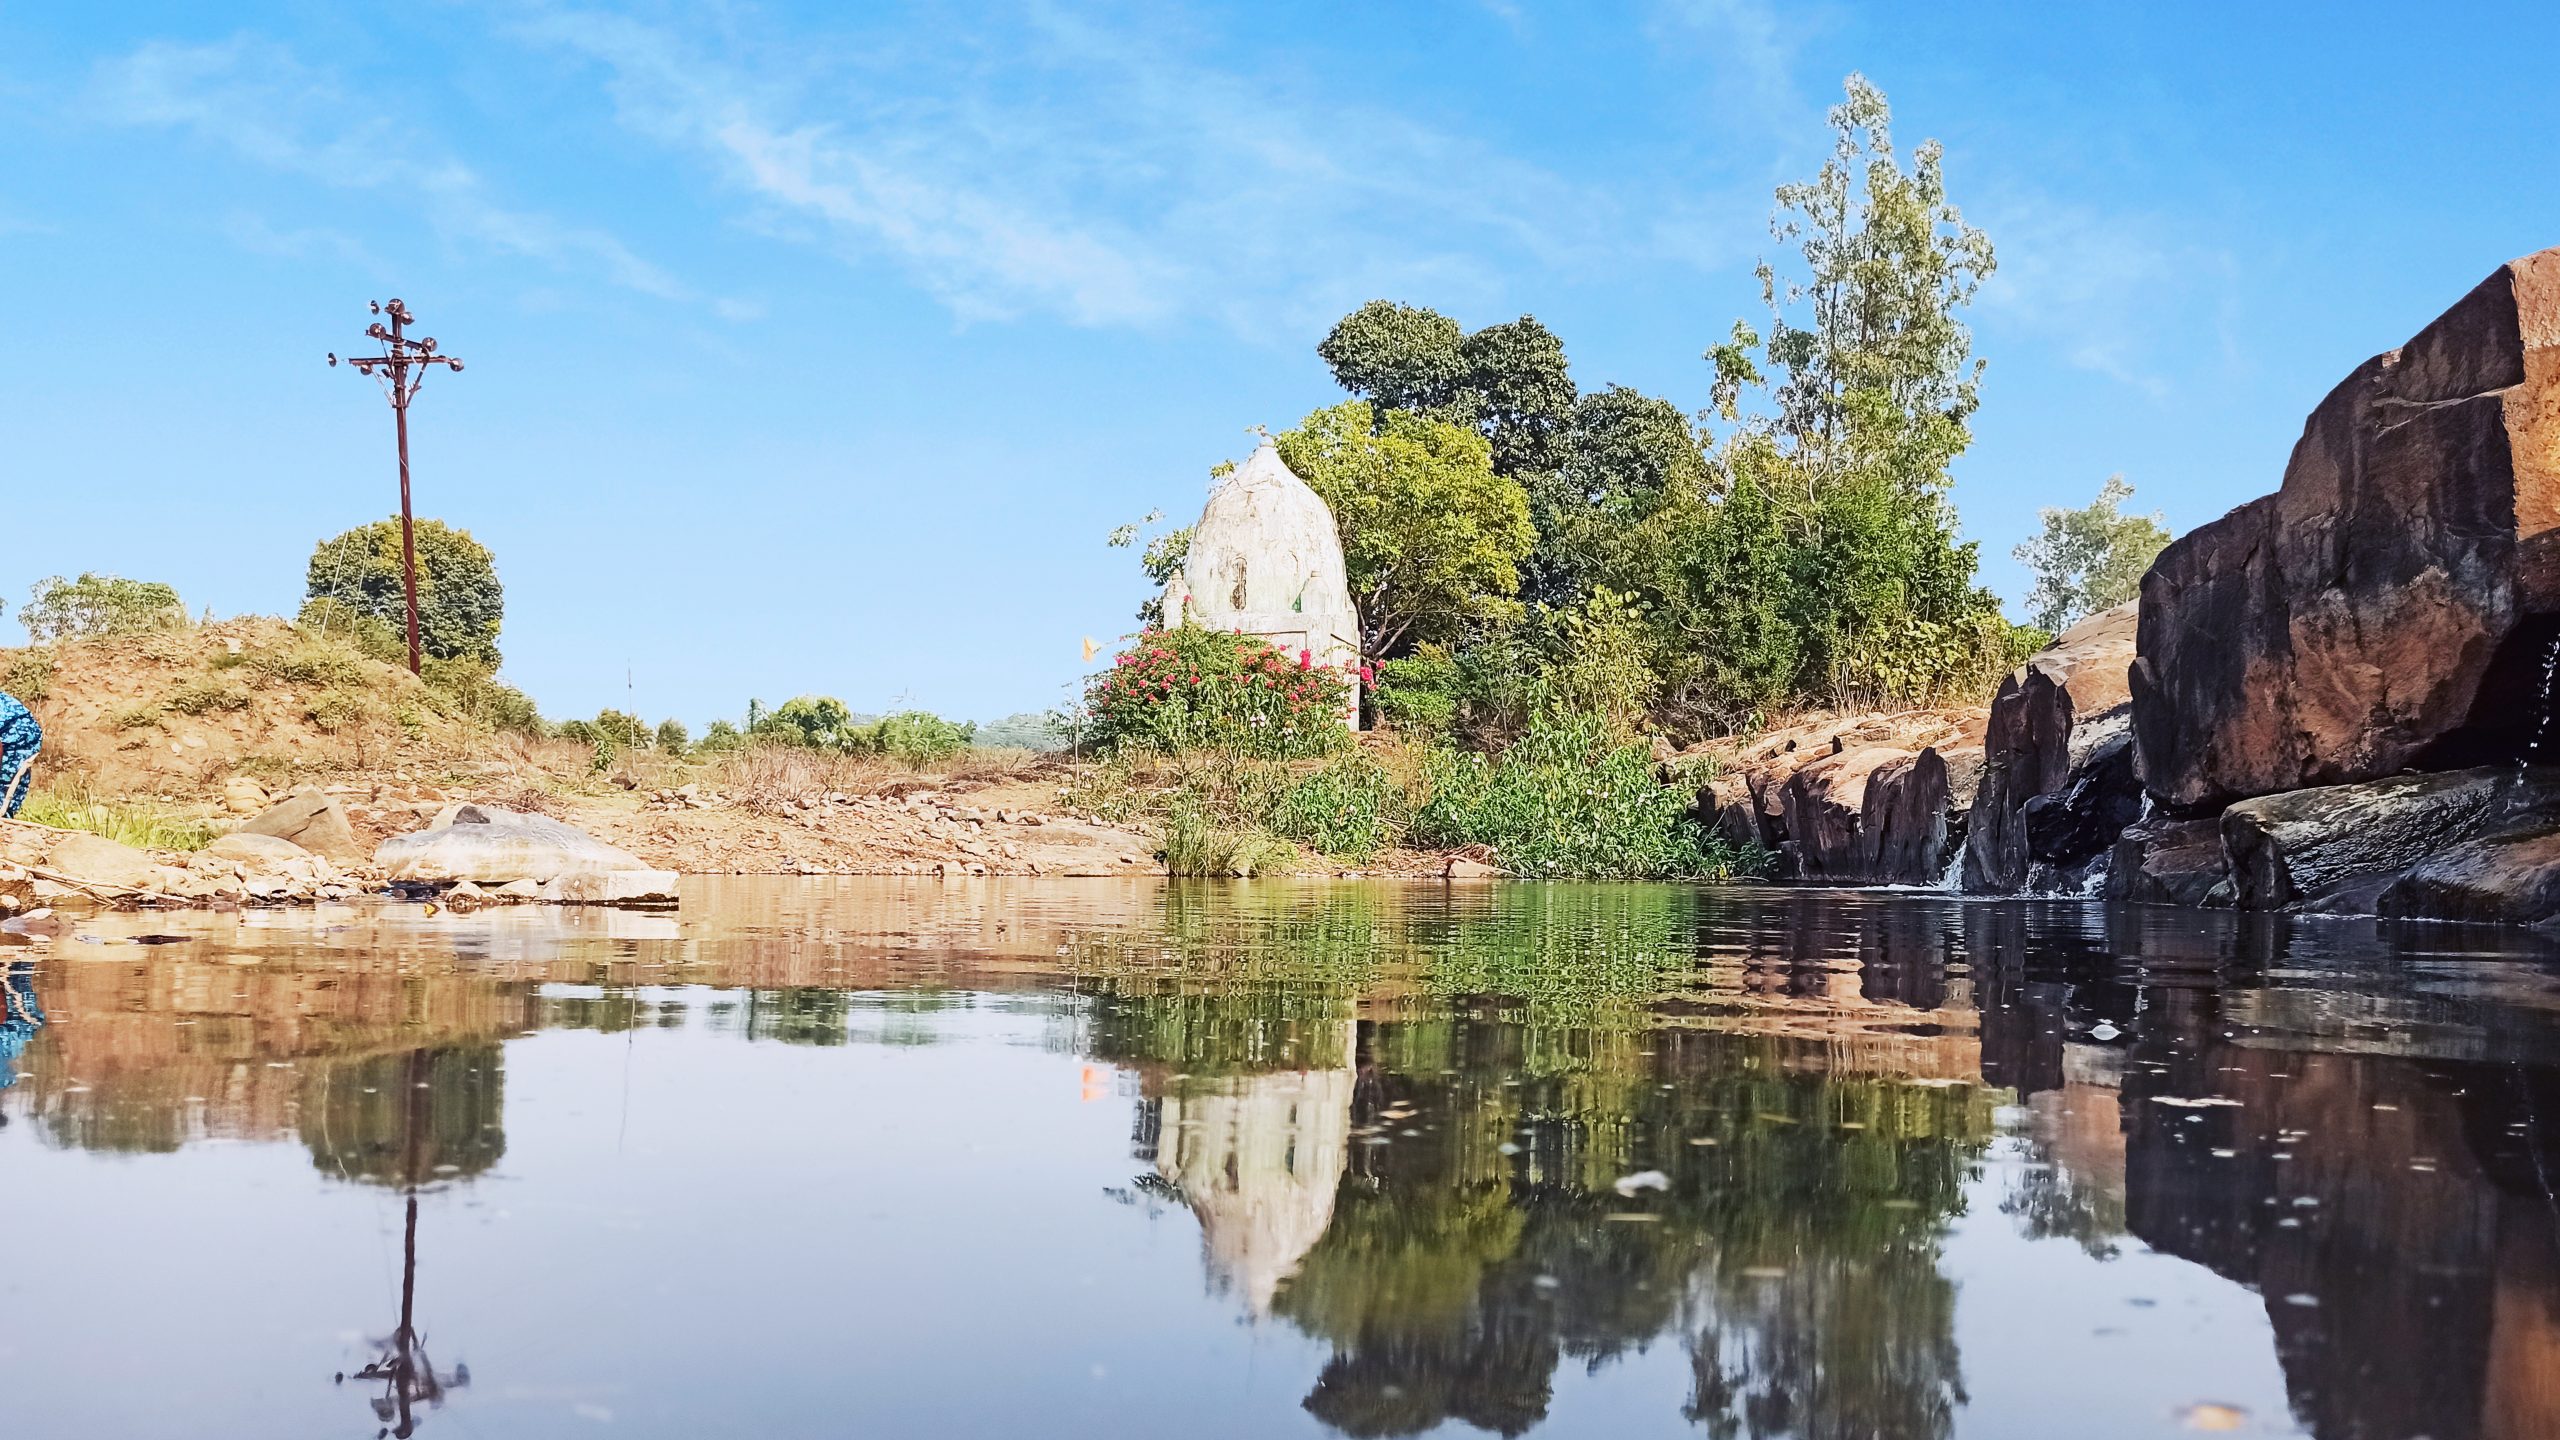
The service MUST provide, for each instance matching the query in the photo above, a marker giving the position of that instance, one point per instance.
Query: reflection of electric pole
(401, 368)
(409, 1377)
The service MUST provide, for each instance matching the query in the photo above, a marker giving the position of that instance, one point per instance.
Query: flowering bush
(1184, 688)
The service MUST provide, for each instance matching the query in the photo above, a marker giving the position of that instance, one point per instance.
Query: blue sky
(815, 347)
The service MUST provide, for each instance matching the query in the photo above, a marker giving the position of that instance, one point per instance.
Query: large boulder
(2388, 607)
(2502, 879)
(314, 821)
(2167, 861)
(2307, 845)
(491, 847)
(2057, 786)
(97, 860)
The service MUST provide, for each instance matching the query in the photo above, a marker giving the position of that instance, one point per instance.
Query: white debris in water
(1642, 1180)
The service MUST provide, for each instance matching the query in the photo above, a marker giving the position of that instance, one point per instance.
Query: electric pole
(401, 368)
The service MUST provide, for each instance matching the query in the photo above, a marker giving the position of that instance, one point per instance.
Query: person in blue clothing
(20, 738)
(20, 1018)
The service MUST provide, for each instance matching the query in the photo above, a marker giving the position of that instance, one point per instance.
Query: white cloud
(1093, 173)
(2124, 296)
(258, 100)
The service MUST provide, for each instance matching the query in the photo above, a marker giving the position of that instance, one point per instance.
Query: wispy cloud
(258, 99)
(1091, 174)
(2124, 296)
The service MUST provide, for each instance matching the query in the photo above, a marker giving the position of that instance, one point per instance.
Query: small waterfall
(2542, 710)
(1951, 879)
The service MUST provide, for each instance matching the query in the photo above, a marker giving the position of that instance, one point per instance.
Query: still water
(820, 1158)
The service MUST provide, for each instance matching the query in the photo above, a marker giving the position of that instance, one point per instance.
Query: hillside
(176, 712)
(189, 720)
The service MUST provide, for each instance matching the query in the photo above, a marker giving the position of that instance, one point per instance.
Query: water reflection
(1510, 1157)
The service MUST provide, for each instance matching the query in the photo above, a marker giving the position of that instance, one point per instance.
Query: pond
(1094, 1158)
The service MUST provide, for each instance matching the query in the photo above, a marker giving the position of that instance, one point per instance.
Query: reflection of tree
(409, 1378)
(402, 1120)
(1794, 1253)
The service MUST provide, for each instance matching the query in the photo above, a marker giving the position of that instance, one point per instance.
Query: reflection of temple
(1258, 1158)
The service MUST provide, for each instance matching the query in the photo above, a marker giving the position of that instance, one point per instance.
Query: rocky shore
(2337, 698)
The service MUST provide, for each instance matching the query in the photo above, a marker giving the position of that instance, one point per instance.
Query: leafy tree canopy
(96, 604)
(2090, 559)
(460, 603)
(1431, 536)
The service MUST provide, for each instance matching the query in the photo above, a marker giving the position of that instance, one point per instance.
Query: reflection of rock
(1258, 1158)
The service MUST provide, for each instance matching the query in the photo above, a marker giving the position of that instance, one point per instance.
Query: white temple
(1266, 559)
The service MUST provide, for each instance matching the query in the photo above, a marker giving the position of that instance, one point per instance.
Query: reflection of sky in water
(979, 1161)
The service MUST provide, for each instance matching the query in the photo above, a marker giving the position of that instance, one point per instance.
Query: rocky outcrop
(1861, 799)
(494, 848)
(313, 820)
(2387, 608)
(2305, 847)
(2166, 861)
(2057, 770)
(2506, 880)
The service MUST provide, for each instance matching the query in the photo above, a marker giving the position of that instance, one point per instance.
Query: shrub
(821, 722)
(914, 737)
(1192, 687)
(673, 737)
(720, 737)
(29, 674)
(1351, 808)
(313, 661)
(334, 710)
(1477, 692)
(471, 690)
(625, 730)
(96, 604)
(202, 697)
(137, 718)
(1566, 799)
(327, 618)
(1196, 845)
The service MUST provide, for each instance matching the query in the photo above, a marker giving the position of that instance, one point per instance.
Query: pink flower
(1306, 661)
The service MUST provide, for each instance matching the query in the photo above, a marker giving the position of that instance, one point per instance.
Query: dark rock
(1902, 822)
(2303, 845)
(2386, 608)
(2098, 799)
(2506, 879)
(2166, 861)
(2035, 742)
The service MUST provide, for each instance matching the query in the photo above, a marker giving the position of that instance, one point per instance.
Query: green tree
(821, 722)
(1508, 382)
(1864, 387)
(2090, 559)
(1404, 357)
(1432, 538)
(96, 604)
(1631, 466)
(460, 603)
(673, 737)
